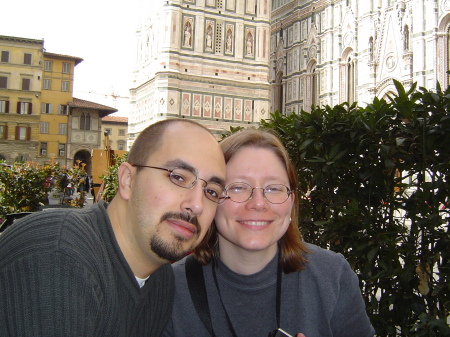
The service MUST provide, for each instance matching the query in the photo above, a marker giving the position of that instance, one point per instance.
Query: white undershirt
(141, 281)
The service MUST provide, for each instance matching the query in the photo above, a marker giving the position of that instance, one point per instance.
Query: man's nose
(194, 198)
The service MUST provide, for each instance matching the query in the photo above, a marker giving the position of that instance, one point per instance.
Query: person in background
(253, 274)
(104, 270)
(91, 185)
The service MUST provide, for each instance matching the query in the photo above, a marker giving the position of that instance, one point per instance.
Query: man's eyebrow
(217, 180)
(178, 163)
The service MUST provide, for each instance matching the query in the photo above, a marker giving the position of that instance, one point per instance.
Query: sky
(101, 32)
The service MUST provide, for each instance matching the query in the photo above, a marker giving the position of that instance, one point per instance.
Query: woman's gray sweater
(323, 300)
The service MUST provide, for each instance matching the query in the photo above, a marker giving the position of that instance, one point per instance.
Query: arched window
(314, 88)
(448, 57)
(85, 121)
(312, 85)
(279, 93)
(371, 49)
(350, 80)
(406, 46)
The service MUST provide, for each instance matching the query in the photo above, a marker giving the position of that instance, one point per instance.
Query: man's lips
(183, 228)
(185, 225)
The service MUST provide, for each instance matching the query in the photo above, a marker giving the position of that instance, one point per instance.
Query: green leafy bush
(375, 187)
(110, 179)
(25, 186)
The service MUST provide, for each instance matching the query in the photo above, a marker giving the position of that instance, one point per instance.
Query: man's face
(169, 220)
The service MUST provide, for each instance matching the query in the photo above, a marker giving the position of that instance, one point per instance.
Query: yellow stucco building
(57, 89)
(20, 90)
(40, 120)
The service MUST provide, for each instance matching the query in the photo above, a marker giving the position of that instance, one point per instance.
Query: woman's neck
(243, 261)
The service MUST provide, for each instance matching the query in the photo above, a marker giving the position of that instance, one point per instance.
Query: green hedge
(375, 187)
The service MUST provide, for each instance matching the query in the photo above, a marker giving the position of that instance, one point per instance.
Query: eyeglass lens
(241, 192)
(188, 179)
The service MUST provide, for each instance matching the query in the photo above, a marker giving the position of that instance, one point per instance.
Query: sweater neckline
(259, 280)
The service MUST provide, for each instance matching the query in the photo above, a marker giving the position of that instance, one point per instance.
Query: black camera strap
(197, 289)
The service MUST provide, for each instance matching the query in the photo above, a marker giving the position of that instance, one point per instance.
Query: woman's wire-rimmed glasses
(187, 179)
(274, 193)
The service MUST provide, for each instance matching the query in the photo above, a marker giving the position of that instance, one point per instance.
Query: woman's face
(257, 224)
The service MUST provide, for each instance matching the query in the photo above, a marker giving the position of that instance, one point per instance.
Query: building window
(66, 68)
(48, 65)
(23, 132)
(5, 56)
(3, 82)
(26, 83)
(26, 58)
(44, 127)
(63, 109)
(4, 106)
(43, 149)
(21, 159)
(218, 44)
(314, 88)
(406, 46)
(85, 121)
(350, 81)
(46, 108)
(121, 146)
(62, 128)
(24, 108)
(65, 86)
(47, 84)
(448, 53)
(3, 131)
(109, 131)
(121, 132)
(61, 150)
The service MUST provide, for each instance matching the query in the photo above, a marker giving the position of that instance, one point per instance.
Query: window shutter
(29, 132)
(17, 132)
(30, 108)
(7, 106)
(18, 107)
(5, 132)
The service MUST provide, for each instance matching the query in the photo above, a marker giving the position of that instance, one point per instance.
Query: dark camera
(279, 333)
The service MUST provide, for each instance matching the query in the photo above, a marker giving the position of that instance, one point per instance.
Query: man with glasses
(104, 270)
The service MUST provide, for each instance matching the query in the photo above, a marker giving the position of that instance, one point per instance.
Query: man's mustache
(182, 216)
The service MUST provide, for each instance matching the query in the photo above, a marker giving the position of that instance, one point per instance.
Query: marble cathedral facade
(233, 62)
(328, 52)
(206, 60)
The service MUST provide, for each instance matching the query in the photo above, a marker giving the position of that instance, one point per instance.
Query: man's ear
(125, 175)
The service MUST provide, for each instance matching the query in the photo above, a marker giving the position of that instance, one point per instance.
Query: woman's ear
(125, 175)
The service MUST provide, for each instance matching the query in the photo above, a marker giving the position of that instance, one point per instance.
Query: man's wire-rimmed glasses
(187, 179)
(274, 193)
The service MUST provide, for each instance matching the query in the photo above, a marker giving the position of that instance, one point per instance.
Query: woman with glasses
(253, 275)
